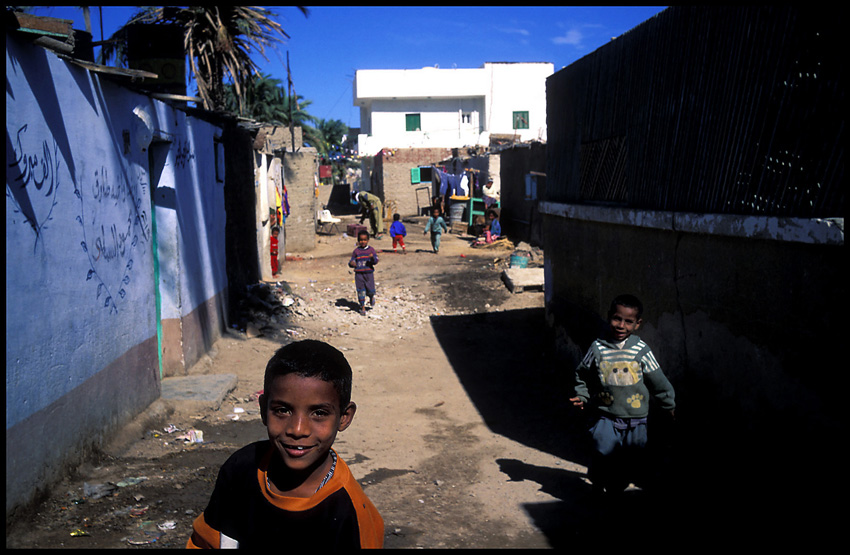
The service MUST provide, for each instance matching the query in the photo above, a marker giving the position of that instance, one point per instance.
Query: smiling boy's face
(303, 416)
(624, 321)
(363, 241)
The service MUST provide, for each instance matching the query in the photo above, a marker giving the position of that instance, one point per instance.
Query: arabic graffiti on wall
(112, 210)
(115, 227)
(184, 155)
(34, 183)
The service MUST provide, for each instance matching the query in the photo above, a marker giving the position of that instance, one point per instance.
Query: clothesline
(465, 169)
(458, 185)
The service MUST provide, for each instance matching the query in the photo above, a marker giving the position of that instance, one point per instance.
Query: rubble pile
(268, 307)
(534, 254)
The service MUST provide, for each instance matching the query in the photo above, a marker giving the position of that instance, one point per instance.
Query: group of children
(296, 482)
(294, 489)
(364, 257)
(436, 226)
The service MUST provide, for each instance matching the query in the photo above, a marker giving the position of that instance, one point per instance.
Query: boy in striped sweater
(617, 377)
(363, 260)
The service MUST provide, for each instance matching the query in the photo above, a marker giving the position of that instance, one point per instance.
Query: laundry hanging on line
(454, 185)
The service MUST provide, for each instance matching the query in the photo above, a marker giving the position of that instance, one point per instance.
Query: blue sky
(326, 48)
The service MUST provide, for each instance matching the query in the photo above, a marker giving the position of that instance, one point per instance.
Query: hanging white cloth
(464, 186)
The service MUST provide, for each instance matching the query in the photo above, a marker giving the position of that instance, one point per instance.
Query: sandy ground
(462, 436)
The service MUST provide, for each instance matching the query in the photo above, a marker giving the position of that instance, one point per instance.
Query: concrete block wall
(735, 326)
(299, 171)
(274, 138)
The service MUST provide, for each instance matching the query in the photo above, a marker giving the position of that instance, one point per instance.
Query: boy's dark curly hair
(312, 359)
(628, 301)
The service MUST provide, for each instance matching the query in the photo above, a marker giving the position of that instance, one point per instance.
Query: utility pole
(289, 80)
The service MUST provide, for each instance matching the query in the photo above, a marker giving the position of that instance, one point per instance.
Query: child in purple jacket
(363, 260)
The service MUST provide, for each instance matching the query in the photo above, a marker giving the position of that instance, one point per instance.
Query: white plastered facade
(453, 107)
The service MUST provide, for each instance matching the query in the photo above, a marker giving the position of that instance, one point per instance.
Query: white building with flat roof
(432, 107)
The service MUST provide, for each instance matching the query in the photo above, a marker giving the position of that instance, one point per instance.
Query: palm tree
(218, 41)
(332, 132)
(265, 99)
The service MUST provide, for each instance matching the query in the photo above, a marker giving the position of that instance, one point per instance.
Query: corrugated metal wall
(732, 110)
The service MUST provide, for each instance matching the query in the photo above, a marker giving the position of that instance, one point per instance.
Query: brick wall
(392, 177)
(273, 138)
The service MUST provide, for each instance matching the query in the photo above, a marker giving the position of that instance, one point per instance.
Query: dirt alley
(462, 436)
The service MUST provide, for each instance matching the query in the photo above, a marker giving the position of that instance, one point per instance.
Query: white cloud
(573, 36)
(523, 32)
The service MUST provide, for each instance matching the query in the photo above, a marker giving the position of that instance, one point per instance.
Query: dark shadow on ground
(581, 518)
(507, 365)
(577, 518)
(348, 303)
(698, 479)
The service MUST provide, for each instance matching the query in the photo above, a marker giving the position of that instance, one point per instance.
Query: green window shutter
(520, 120)
(412, 122)
(414, 175)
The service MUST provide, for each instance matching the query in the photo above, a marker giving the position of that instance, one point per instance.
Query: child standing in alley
(363, 260)
(398, 232)
(616, 378)
(436, 225)
(293, 489)
(274, 250)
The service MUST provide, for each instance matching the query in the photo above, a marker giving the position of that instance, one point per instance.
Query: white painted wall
(489, 95)
(441, 121)
(518, 87)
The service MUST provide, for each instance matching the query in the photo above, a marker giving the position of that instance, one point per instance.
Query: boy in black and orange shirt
(293, 491)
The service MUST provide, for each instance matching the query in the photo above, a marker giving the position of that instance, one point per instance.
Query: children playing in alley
(436, 225)
(616, 378)
(398, 232)
(363, 260)
(293, 490)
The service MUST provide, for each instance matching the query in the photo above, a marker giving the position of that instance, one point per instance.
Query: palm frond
(219, 42)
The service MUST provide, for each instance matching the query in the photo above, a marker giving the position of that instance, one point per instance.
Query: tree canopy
(218, 41)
